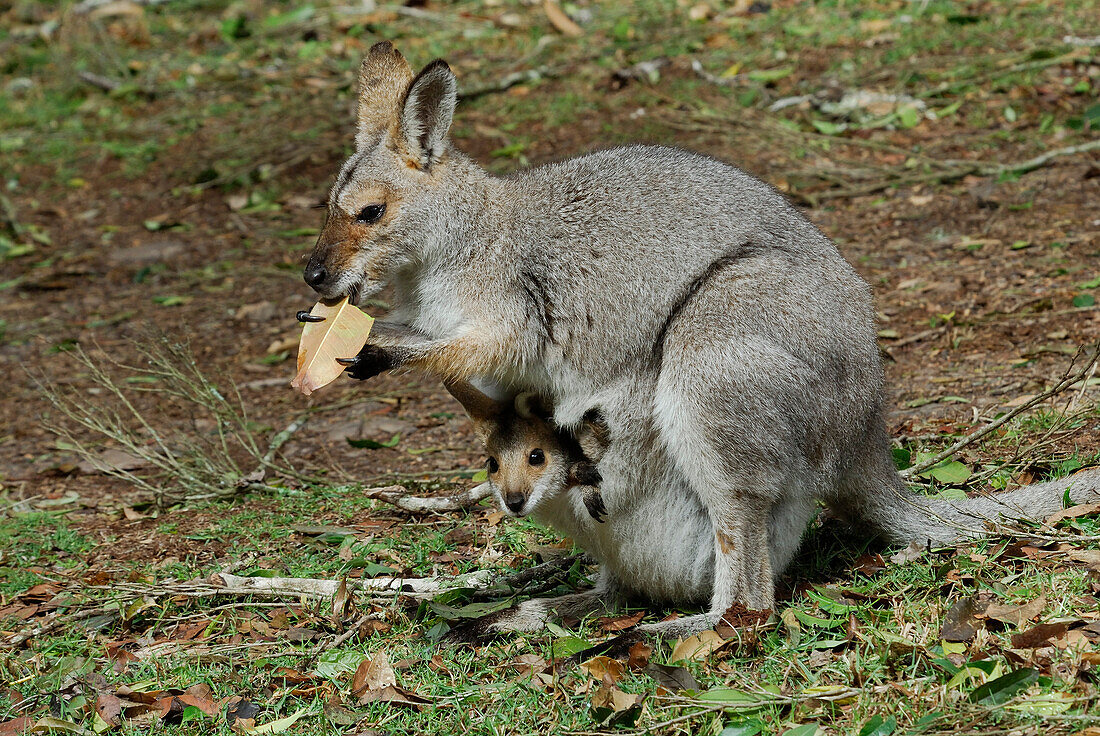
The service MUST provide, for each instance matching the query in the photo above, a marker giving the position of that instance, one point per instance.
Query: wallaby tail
(903, 516)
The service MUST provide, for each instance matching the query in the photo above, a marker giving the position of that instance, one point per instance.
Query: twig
(1065, 382)
(319, 588)
(1079, 41)
(99, 81)
(400, 497)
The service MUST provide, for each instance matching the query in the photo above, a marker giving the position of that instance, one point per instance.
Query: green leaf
(770, 75)
(1095, 283)
(1084, 300)
(902, 458)
(334, 663)
(827, 128)
(806, 729)
(908, 116)
(1021, 244)
(750, 727)
(375, 444)
(471, 610)
(276, 726)
(567, 646)
(171, 300)
(999, 691)
(480, 476)
(949, 471)
(879, 726)
(191, 713)
(1049, 704)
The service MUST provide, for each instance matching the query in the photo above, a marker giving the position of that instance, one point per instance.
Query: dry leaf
(373, 674)
(1083, 509)
(602, 667)
(609, 696)
(342, 335)
(560, 20)
(697, 647)
(1016, 615)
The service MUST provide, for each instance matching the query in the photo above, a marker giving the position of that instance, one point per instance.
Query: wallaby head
(528, 461)
(380, 201)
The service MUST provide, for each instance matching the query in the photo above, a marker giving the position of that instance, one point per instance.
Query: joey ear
(477, 404)
(427, 111)
(529, 405)
(383, 80)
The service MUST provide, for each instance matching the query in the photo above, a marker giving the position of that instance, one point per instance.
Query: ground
(161, 164)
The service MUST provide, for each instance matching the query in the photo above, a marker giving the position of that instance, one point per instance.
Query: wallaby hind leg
(734, 418)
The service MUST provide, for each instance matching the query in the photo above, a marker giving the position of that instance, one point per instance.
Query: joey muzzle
(515, 501)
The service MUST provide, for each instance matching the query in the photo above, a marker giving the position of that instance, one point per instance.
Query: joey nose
(315, 275)
(514, 502)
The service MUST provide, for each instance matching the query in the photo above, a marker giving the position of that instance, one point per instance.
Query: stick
(318, 588)
(1066, 381)
(99, 82)
(400, 497)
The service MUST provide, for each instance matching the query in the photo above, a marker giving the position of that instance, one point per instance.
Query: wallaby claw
(305, 316)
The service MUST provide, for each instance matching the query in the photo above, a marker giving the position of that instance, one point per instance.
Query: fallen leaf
(959, 622)
(618, 623)
(1038, 636)
(275, 726)
(697, 647)
(242, 710)
(639, 655)
(1073, 512)
(913, 551)
(373, 674)
(16, 726)
(672, 679)
(1016, 615)
(109, 708)
(560, 20)
(604, 668)
(342, 334)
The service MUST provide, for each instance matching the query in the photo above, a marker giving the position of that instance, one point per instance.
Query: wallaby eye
(494, 466)
(370, 213)
(537, 457)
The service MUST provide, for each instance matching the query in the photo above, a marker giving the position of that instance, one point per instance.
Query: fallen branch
(1064, 383)
(400, 497)
(99, 81)
(228, 584)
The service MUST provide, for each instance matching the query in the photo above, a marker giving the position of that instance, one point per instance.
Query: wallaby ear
(383, 80)
(427, 112)
(477, 404)
(530, 405)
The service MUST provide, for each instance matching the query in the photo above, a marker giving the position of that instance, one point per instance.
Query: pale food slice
(342, 334)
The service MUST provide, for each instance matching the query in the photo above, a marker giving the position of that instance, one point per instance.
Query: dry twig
(1063, 384)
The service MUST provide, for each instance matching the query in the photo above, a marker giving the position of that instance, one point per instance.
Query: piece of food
(341, 333)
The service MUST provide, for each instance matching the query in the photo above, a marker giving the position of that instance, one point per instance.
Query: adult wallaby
(729, 345)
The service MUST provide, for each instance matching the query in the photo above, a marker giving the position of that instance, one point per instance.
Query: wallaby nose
(315, 275)
(515, 501)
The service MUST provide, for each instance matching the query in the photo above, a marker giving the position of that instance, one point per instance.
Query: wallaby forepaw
(370, 361)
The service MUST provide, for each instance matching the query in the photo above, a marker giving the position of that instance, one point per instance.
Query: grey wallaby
(728, 344)
(531, 461)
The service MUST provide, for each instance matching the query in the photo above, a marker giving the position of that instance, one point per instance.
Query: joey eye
(370, 213)
(494, 466)
(537, 457)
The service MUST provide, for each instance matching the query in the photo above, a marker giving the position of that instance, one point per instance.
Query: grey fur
(730, 346)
